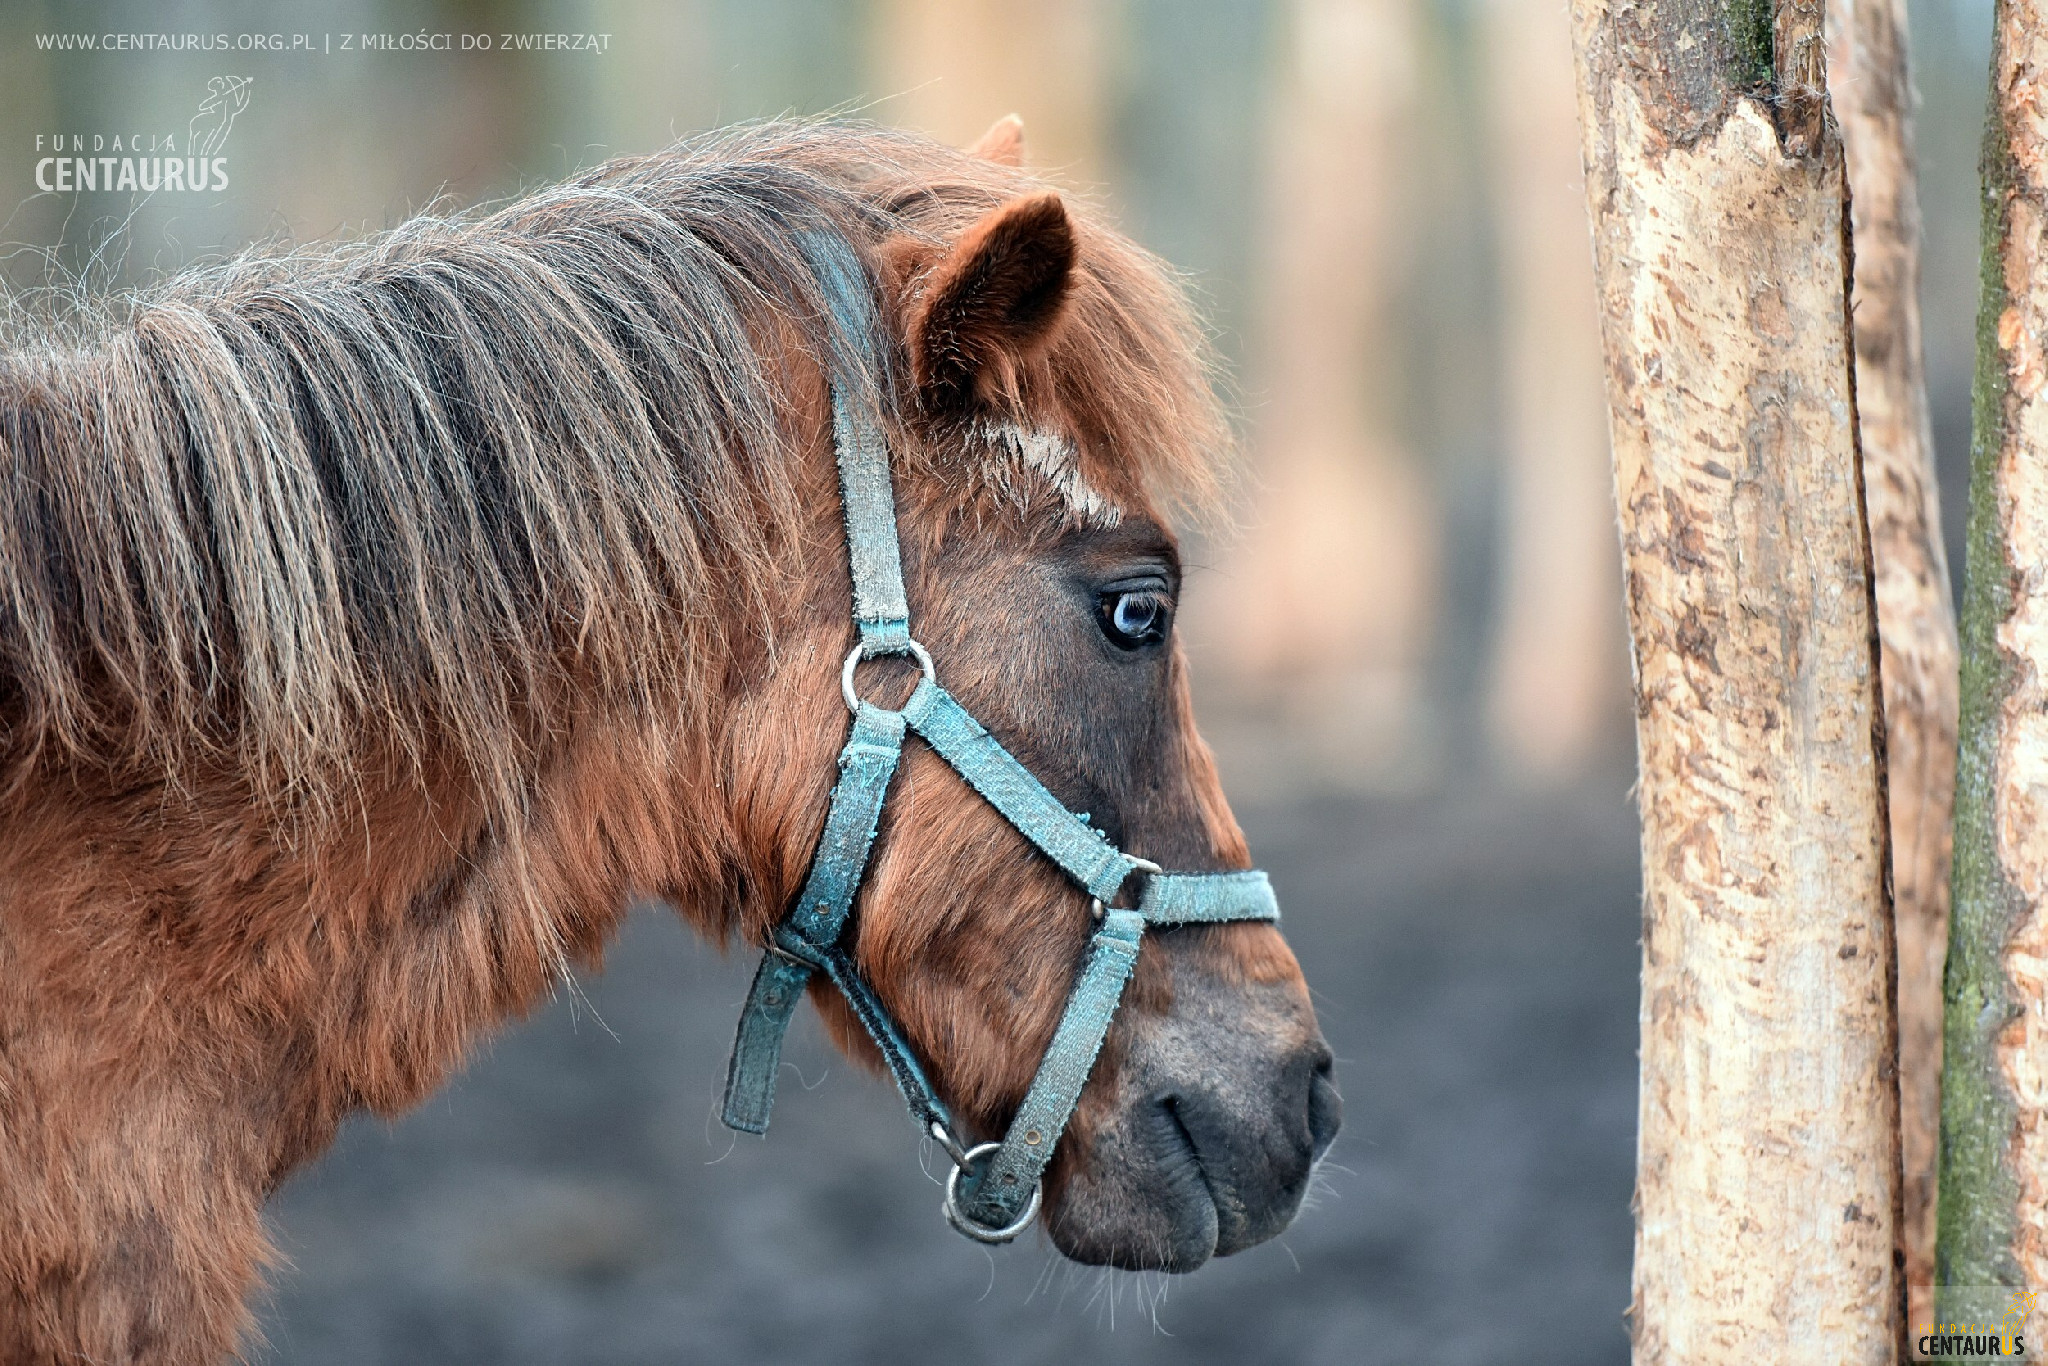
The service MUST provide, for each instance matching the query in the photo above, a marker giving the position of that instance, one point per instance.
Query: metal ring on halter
(1097, 911)
(859, 652)
(982, 1233)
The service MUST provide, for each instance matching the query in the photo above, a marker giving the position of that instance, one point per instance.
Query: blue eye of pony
(1132, 617)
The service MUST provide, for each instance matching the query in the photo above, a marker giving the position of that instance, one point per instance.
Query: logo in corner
(148, 163)
(1984, 1323)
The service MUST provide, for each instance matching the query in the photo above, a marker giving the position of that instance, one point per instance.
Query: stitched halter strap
(994, 1192)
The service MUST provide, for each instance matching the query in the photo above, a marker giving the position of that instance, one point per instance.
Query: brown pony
(377, 622)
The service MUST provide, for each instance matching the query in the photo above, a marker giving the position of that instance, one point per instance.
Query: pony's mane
(407, 485)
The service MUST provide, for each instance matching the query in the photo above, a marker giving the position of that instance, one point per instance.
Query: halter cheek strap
(994, 1191)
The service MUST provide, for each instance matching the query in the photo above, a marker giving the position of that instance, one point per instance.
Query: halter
(994, 1191)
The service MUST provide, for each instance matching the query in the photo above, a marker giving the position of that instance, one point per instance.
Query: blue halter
(994, 1191)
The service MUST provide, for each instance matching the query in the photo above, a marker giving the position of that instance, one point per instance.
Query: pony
(378, 621)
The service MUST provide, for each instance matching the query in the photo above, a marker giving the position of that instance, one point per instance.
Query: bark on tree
(1870, 85)
(1994, 1162)
(1555, 698)
(1767, 1178)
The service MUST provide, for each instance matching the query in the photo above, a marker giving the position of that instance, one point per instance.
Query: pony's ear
(1002, 143)
(991, 300)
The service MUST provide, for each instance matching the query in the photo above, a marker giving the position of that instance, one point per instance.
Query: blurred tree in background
(1322, 620)
(1556, 676)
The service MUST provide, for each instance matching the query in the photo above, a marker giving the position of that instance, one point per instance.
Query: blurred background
(1422, 711)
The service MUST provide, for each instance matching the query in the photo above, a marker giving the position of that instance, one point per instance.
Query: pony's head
(1049, 408)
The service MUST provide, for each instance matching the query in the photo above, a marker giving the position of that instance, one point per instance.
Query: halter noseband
(991, 1201)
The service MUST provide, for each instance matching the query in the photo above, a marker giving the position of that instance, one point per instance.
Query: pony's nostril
(1325, 1106)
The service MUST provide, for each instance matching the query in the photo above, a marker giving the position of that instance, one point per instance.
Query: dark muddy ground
(573, 1200)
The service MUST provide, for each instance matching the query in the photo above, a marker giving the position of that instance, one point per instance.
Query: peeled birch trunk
(1994, 1161)
(1767, 1180)
(1871, 88)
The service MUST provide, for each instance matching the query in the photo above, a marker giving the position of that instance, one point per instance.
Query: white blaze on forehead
(1054, 458)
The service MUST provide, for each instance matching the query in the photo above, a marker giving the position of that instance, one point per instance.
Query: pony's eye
(1133, 617)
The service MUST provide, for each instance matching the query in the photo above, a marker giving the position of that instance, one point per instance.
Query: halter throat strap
(995, 1190)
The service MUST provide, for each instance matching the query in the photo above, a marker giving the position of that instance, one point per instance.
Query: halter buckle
(862, 651)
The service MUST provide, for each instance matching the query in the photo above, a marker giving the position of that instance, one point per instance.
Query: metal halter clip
(860, 652)
(943, 1136)
(1097, 911)
(982, 1233)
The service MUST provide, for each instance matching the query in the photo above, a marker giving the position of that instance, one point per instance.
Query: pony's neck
(454, 913)
(421, 884)
(191, 1004)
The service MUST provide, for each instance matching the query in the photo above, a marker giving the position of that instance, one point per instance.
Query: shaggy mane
(411, 485)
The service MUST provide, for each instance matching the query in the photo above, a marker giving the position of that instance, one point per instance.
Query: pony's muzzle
(1213, 1139)
(1255, 1169)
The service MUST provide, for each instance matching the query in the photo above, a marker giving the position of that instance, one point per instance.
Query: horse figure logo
(226, 98)
(2017, 1312)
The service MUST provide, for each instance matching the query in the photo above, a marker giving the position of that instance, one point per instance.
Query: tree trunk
(1767, 1162)
(1994, 1159)
(1555, 697)
(1870, 86)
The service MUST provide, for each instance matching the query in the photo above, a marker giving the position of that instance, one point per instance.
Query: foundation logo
(1986, 1324)
(191, 162)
